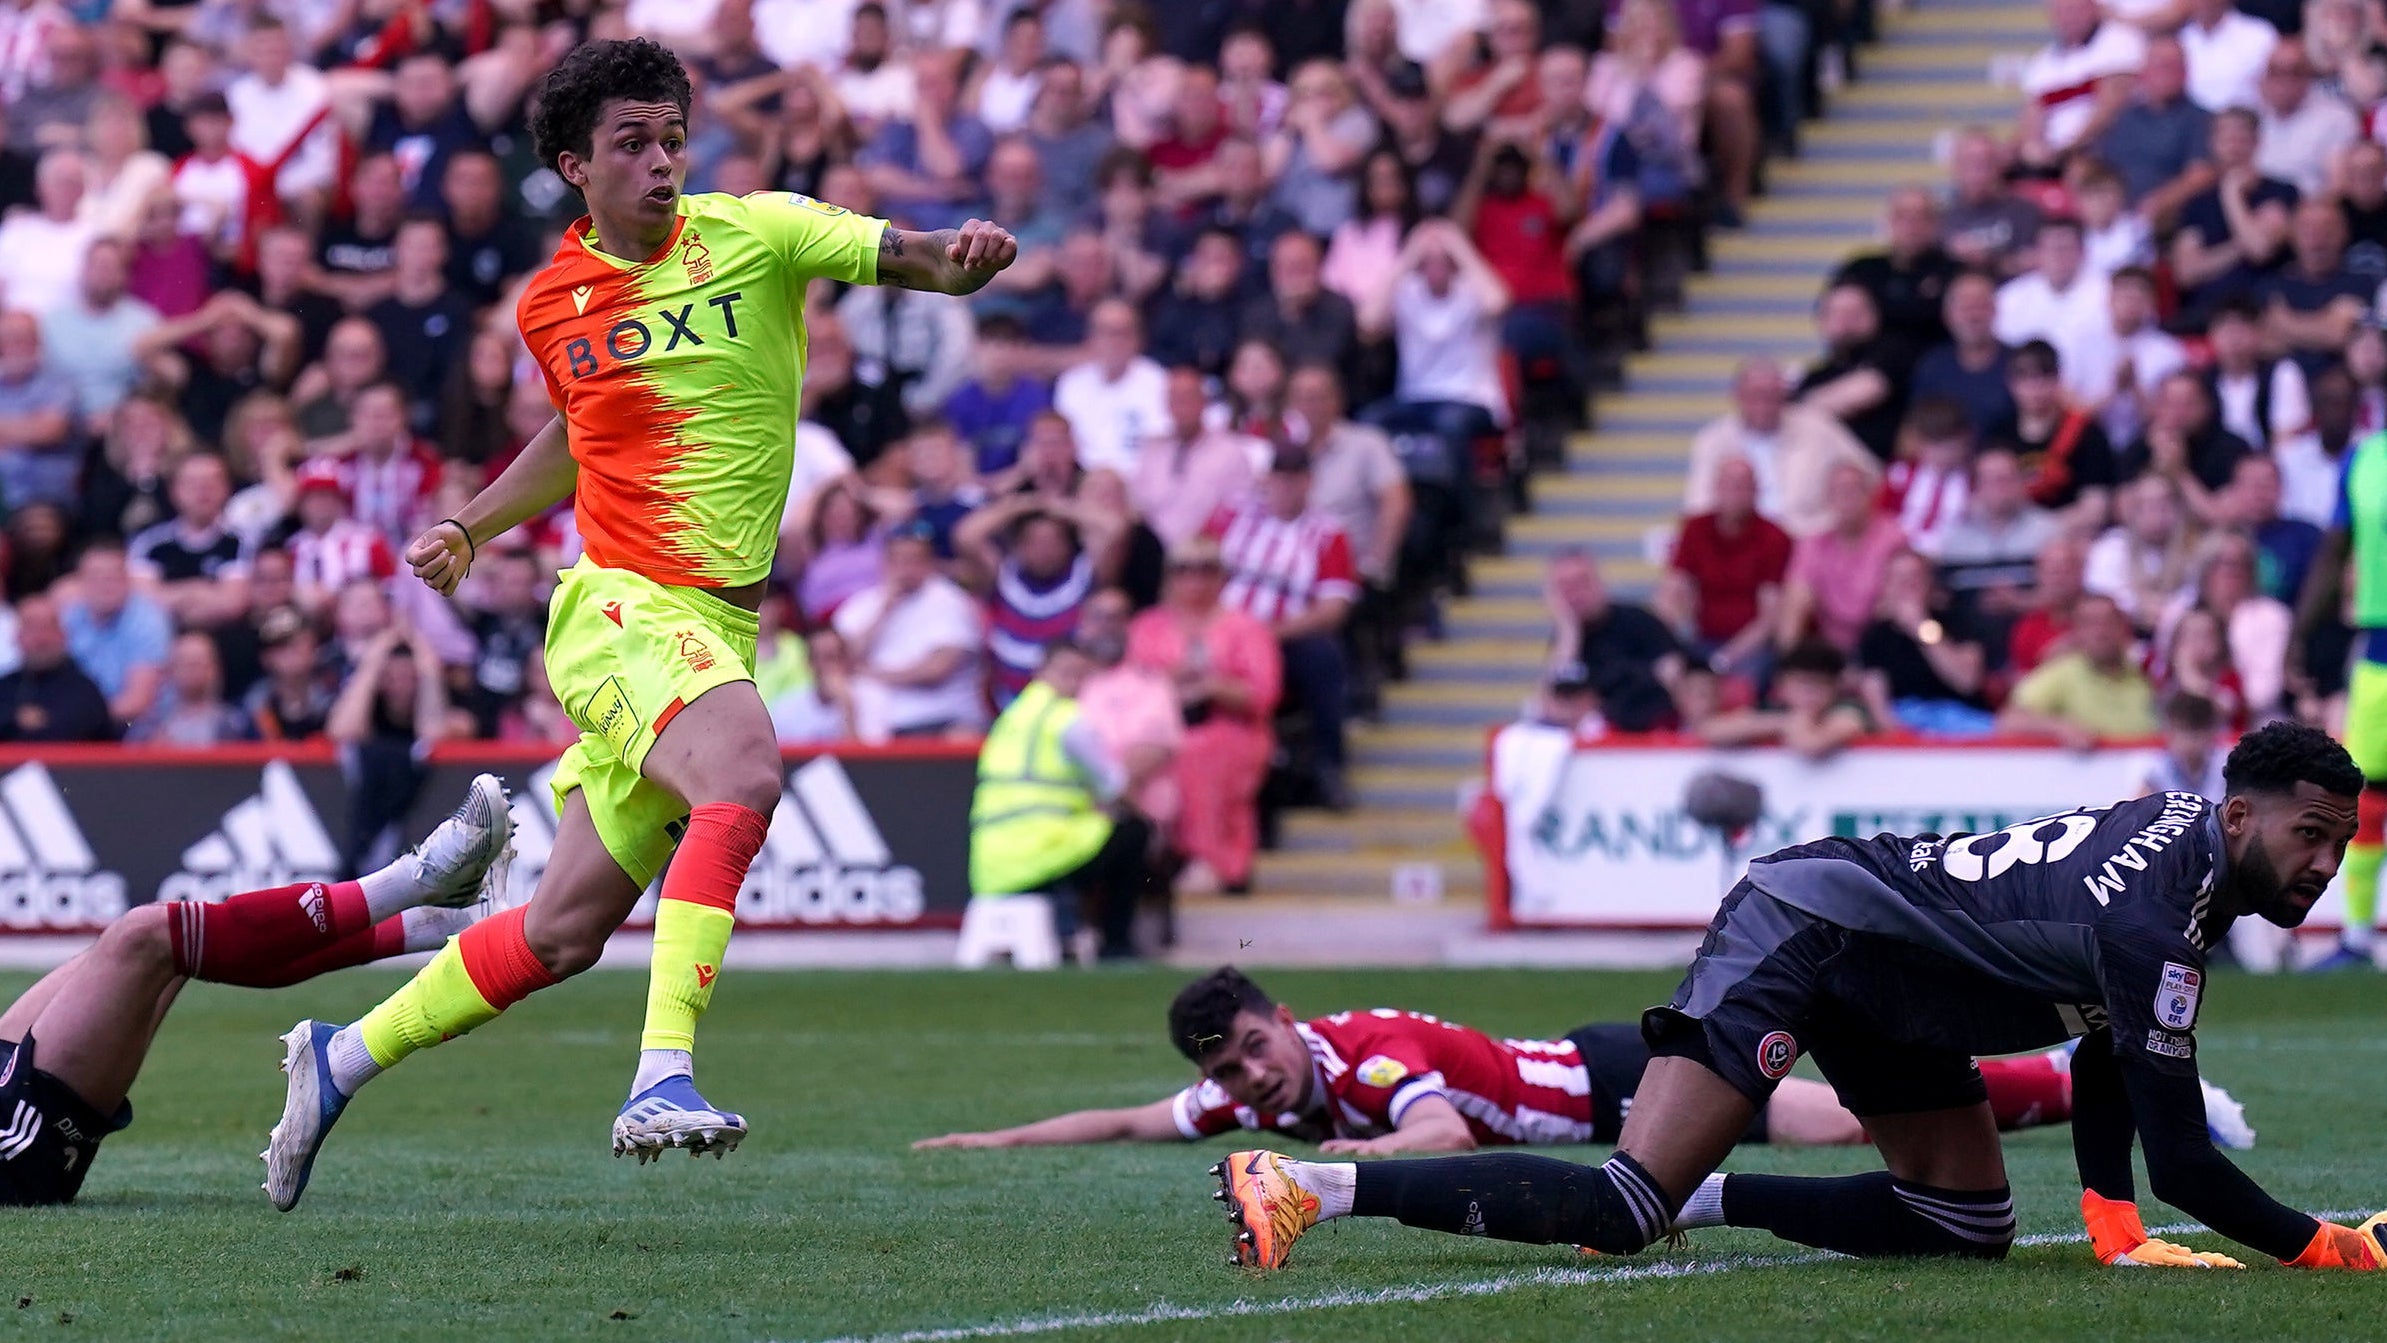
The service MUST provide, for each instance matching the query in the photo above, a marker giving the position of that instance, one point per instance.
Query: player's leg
(1944, 1192)
(2366, 739)
(98, 1012)
(2030, 1090)
(1718, 1050)
(720, 755)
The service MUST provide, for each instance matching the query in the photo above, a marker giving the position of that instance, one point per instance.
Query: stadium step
(1935, 71)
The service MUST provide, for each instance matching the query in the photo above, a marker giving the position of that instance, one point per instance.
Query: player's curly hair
(2277, 756)
(567, 101)
(1203, 1014)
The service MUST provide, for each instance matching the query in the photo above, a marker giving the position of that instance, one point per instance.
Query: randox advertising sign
(873, 839)
(1597, 836)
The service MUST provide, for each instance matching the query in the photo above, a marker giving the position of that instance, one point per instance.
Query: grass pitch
(471, 1194)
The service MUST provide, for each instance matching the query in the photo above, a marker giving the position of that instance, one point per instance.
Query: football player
(71, 1045)
(1893, 961)
(1378, 1082)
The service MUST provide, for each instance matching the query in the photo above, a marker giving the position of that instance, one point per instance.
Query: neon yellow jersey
(678, 376)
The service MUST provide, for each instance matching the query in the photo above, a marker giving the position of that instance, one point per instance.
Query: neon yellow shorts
(625, 655)
(2366, 717)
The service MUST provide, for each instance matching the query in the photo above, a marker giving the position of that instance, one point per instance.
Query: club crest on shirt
(696, 258)
(1382, 1071)
(2175, 997)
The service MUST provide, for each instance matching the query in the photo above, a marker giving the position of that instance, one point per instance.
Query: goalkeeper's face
(2286, 848)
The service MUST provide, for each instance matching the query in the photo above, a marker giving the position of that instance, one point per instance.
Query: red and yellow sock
(694, 917)
(483, 971)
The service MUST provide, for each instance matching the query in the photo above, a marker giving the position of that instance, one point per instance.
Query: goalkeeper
(1892, 960)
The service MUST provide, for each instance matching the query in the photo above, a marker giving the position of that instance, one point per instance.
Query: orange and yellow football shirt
(678, 376)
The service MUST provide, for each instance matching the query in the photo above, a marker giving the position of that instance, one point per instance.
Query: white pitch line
(1161, 1312)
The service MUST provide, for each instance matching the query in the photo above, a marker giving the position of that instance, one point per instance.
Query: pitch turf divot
(1161, 1312)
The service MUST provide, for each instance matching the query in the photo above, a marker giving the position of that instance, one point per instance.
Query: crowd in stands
(2064, 461)
(1297, 280)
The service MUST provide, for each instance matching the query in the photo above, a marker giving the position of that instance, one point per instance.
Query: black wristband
(471, 551)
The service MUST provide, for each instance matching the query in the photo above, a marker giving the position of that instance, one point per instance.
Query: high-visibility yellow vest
(1033, 819)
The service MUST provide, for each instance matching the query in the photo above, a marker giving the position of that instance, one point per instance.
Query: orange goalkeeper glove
(2335, 1246)
(2120, 1240)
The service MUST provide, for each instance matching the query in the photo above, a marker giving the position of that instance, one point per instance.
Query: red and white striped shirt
(2063, 80)
(346, 551)
(25, 29)
(393, 495)
(1368, 1068)
(1277, 569)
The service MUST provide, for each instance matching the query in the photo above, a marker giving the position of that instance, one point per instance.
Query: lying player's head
(2290, 794)
(1241, 1039)
(612, 119)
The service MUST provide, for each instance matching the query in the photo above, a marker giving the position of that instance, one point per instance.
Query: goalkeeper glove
(2120, 1240)
(2335, 1246)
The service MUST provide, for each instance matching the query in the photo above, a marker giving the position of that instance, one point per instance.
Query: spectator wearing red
(1728, 568)
(1039, 561)
(1926, 487)
(2045, 629)
(1510, 206)
(328, 548)
(226, 197)
(391, 473)
(282, 115)
(1291, 569)
(1835, 575)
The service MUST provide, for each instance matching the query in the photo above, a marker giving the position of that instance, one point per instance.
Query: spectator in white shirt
(1790, 448)
(2226, 49)
(2143, 561)
(2113, 376)
(41, 250)
(1442, 306)
(804, 32)
(1118, 397)
(2302, 127)
(915, 638)
(2078, 83)
(281, 116)
(2312, 463)
(2058, 300)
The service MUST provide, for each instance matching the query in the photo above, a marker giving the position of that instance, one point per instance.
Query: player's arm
(948, 261)
(1429, 1124)
(2323, 595)
(1156, 1122)
(2103, 1130)
(537, 480)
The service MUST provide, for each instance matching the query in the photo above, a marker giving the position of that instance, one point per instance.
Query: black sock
(1873, 1215)
(1614, 1208)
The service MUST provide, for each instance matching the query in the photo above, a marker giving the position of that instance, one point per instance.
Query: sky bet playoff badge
(1382, 1071)
(2175, 1000)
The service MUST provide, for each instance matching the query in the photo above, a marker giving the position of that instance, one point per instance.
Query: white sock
(656, 1064)
(1705, 1208)
(352, 1063)
(429, 927)
(1331, 1181)
(392, 890)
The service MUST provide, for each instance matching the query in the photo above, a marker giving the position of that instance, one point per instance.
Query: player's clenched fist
(2120, 1240)
(441, 556)
(982, 248)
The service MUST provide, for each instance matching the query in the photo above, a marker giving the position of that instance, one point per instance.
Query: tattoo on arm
(923, 264)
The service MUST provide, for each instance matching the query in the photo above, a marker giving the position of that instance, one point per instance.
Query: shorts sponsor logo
(610, 716)
(697, 653)
(2169, 1045)
(1775, 1053)
(1381, 1071)
(2176, 997)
